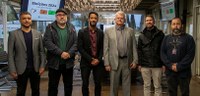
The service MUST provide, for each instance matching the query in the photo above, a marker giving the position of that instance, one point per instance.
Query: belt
(122, 57)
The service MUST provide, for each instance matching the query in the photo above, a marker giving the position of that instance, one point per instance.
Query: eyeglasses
(60, 14)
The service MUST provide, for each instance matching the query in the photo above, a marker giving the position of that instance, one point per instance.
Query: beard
(26, 25)
(150, 27)
(177, 32)
(62, 21)
(93, 24)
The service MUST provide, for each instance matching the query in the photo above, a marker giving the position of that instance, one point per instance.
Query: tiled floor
(136, 89)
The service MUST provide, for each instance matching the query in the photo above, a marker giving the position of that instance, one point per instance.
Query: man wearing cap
(60, 42)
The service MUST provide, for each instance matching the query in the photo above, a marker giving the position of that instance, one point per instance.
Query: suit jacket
(111, 56)
(84, 46)
(17, 56)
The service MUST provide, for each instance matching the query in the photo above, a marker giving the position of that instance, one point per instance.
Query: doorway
(197, 36)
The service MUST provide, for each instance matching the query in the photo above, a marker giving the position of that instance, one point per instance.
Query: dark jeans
(54, 78)
(97, 76)
(174, 81)
(22, 80)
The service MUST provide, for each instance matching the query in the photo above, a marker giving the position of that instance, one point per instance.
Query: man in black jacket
(150, 64)
(177, 53)
(60, 42)
(90, 46)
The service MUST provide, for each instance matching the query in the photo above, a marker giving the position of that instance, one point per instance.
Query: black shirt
(28, 41)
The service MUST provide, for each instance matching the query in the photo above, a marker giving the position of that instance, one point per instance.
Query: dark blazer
(51, 43)
(84, 46)
(17, 56)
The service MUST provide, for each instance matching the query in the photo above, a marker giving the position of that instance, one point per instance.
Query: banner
(168, 11)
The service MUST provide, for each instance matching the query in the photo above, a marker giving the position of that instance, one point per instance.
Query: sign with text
(168, 10)
(42, 10)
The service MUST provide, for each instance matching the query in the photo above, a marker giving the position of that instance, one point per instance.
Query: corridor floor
(136, 88)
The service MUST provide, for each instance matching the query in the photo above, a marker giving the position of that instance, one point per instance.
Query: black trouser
(174, 81)
(97, 76)
(22, 80)
(54, 78)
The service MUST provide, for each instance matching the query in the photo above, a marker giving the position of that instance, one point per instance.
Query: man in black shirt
(26, 57)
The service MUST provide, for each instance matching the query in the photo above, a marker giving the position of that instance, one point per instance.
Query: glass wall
(11, 24)
(197, 30)
(106, 19)
(76, 20)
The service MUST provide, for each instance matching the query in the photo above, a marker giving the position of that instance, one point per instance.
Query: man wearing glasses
(60, 42)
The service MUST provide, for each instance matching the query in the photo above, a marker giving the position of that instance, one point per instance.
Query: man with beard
(60, 42)
(120, 54)
(90, 46)
(26, 56)
(177, 53)
(150, 64)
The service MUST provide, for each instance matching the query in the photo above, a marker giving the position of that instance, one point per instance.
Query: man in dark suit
(90, 46)
(60, 42)
(26, 57)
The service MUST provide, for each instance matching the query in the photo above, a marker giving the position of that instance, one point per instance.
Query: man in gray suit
(26, 57)
(120, 54)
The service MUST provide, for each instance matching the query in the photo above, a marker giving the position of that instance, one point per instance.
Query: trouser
(22, 80)
(54, 78)
(174, 81)
(97, 76)
(124, 72)
(152, 73)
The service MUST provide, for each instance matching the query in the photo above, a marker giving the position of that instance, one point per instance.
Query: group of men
(116, 51)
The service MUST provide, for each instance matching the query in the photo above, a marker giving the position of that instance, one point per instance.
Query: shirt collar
(92, 31)
(120, 27)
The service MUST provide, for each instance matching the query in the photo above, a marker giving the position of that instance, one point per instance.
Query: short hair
(120, 13)
(176, 18)
(151, 16)
(93, 13)
(24, 13)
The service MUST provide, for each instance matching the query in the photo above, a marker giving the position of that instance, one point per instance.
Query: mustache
(177, 31)
(149, 23)
(62, 21)
(93, 23)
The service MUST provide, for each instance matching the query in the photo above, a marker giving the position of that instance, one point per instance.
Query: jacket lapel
(33, 39)
(97, 38)
(127, 33)
(21, 36)
(115, 35)
(87, 34)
